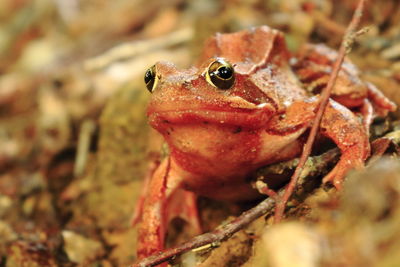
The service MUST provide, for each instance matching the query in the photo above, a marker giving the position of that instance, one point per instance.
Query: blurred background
(74, 142)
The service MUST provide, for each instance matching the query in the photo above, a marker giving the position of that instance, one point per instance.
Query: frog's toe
(335, 179)
(380, 100)
(338, 174)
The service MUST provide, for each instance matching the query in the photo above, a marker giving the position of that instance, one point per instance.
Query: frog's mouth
(250, 116)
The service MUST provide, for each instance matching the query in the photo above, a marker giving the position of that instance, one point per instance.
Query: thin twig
(87, 129)
(347, 41)
(218, 235)
(132, 49)
(265, 190)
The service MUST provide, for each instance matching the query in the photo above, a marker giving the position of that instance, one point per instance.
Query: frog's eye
(220, 74)
(150, 78)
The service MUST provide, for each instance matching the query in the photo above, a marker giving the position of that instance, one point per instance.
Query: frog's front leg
(343, 127)
(164, 201)
(339, 124)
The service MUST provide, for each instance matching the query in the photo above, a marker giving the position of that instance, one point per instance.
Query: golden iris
(220, 74)
(150, 78)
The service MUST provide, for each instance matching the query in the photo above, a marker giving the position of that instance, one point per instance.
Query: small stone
(81, 249)
(7, 234)
(290, 243)
(393, 52)
(5, 204)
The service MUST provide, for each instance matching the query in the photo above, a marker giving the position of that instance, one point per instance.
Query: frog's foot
(164, 201)
(381, 103)
(342, 126)
(337, 175)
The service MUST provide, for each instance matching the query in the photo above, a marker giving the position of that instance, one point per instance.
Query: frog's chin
(245, 118)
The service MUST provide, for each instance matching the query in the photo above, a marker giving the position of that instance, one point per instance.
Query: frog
(247, 102)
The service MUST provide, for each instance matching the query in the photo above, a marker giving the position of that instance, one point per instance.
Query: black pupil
(148, 76)
(225, 72)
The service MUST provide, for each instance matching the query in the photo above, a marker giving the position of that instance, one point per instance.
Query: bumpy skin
(218, 138)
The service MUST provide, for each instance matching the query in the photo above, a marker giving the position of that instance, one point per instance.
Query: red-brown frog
(245, 105)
